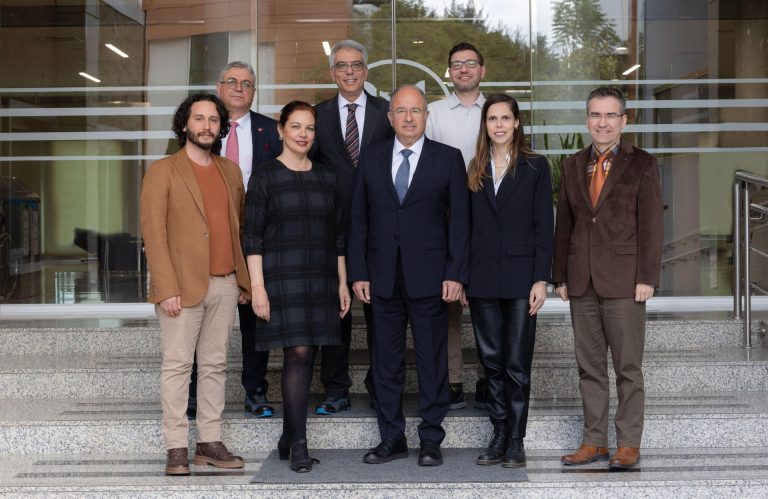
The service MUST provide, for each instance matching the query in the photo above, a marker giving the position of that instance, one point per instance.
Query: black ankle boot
(515, 455)
(497, 445)
(300, 460)
(284, 446)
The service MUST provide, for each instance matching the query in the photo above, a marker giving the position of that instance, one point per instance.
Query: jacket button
(594, 220)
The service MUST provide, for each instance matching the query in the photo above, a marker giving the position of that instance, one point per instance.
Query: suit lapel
(385, 167)
(335, 129)
(372, 111)
(184, 166)
(421, 175)
(488, 188)
(620, 162)
(510, 182)
(581, 166)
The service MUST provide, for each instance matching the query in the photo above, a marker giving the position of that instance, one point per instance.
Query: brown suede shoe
(625, 457)
(216, 454)
(586, 454)
(177, 462)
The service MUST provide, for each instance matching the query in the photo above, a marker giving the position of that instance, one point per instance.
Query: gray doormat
(347, 466)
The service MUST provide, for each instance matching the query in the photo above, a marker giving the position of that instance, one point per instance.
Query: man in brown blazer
(191, 206)
(607, 261)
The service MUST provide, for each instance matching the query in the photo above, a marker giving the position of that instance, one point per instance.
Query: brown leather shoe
(177, 462)
(625, 457)
(216, 454)
(586, 454)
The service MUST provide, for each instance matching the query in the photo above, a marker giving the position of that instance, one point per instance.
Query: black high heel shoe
(284, 447)
(300, 460)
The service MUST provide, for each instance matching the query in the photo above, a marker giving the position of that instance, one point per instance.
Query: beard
(467, 86)
(206, 146)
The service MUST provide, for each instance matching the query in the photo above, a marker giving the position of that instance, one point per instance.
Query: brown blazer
(618, 244)
(176, 232)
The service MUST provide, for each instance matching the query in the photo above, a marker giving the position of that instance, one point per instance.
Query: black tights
(297, 375)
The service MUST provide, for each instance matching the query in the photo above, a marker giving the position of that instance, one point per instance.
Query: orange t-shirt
(216, 202)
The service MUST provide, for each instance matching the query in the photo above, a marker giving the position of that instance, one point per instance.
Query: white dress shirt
(413, 159)
(245, 146)
(452, 123)
(361, 101)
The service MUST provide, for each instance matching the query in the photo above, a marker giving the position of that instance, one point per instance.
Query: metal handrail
(742, 207)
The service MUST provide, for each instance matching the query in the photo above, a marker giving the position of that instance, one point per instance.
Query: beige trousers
(202, 330)
(618, 324)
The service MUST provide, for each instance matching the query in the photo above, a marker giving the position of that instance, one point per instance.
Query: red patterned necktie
(233, 147)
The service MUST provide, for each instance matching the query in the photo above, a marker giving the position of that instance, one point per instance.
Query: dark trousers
(505, 335)
(254, 376)
(334, 360)
(618, 324)
(429, 326)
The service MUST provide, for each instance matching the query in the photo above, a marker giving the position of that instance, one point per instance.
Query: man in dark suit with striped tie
(353, 119)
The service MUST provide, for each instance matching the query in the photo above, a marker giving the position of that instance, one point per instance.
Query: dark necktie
(352, 136)
(401, 177)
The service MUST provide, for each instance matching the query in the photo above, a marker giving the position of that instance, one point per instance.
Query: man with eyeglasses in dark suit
(348, 122)
(251, 141)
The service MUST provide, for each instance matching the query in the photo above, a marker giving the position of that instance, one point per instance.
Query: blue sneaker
(256, 404)
(330, 406)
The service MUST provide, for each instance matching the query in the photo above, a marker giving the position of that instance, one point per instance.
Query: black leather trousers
(505, 335)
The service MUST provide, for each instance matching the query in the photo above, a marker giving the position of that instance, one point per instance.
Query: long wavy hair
(477, 167)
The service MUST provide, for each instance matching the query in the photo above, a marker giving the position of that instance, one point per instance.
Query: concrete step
(695, 419)
(142, 337)
(683, 472)
(554, 373)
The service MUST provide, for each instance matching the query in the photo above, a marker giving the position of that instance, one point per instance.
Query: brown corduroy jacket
(617, 244)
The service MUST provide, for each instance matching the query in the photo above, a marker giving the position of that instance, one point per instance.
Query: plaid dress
(294, 220)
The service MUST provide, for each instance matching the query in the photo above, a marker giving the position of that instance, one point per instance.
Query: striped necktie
(352, 135)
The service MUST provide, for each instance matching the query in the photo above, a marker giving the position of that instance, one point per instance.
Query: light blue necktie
(401, 178)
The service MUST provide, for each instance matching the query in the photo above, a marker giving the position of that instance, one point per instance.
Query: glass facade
(90, 86)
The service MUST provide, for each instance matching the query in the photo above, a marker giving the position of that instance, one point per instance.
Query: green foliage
(568, 141)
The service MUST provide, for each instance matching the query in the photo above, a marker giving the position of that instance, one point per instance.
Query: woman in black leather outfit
(510, 265)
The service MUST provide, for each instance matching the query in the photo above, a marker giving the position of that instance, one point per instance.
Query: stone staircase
(80, 417)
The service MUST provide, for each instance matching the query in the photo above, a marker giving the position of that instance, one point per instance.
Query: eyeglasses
(232, 83)
(342, 67)
(471, 64)
(607, 116)
(415, 111)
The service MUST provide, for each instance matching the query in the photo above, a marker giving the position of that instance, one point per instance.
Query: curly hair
(181, 118)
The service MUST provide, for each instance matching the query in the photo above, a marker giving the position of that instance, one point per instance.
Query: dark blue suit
(406, 251)
(329, 149)
(511, 249)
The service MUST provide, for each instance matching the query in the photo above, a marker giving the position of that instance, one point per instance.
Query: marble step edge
(592, 489)
(247, 435)
(145, 339)
(144, 383)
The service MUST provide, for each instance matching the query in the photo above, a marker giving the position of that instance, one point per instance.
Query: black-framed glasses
(342, 67)
(233, 82)
(470, 63)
